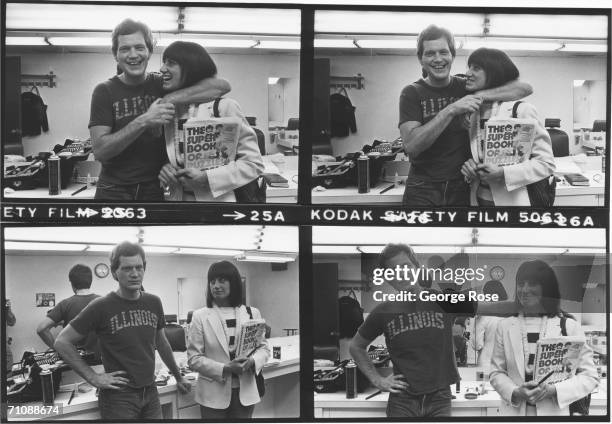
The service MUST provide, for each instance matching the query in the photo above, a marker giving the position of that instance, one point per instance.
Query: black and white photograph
(403, 100)
(97, 97)
(152, 322)
(459, 322)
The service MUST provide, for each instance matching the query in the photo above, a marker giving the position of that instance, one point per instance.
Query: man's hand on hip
(394, 383)
(111, 380)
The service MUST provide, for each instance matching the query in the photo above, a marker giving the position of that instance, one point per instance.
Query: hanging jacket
(342, 115)
(33, 114)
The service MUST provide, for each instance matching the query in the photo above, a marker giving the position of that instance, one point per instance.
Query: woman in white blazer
(493, 185)
(183, 64)
(226, 387)
(539, 317)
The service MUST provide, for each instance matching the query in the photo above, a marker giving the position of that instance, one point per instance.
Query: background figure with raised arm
(492, 184)
(431, 115)
(128, 112)
(129, 324)
(185, 63)
(80, 277)
(227, 387)
(513, 362)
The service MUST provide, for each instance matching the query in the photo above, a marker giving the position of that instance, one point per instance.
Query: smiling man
(128, 112)
(432, 114)
(129, 324)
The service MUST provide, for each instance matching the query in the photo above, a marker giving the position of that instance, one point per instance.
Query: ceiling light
(475, 43)
(63, 247)
(238, 43)
(334, 43)
(81, 41)
(375, 22)
(339, 249)
(26, 41)
(578, 83)
(264, 257)
(408, 43)
(40, 16)
(584, 47)
(272, 80)
(555, 26)
(278, 44)
(243, 20)
(209, 252)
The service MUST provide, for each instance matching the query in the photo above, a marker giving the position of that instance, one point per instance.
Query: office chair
(176, 337)
(599, 125)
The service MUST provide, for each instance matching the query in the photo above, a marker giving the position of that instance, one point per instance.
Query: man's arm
(65, 344)
(418, 137)
(393, 383)
(107, 145)
(165, 353)
(202, 91)
(44, 331)
(513, 90)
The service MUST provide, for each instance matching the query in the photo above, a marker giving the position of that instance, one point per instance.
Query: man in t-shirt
(80, 278)
(128, 112)
(432, 115)
(419, 337)
(129, 324)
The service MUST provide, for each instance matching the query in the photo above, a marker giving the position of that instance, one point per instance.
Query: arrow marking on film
(236, 215)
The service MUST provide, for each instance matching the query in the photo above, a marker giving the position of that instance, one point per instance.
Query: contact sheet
(429, 244)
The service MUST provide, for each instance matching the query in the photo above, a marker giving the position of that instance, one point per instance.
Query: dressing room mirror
(283, 101)
(589, 103)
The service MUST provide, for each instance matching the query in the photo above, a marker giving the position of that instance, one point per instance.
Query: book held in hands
(210, 143)
(251, 336)
(560, 355)
(508, 141)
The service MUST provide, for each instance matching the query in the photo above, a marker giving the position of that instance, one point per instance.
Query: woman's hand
(249, 365)
(525, 392)
(470, 170)
(490, 172)
(191, 178)
(546, 391)
(235, 367)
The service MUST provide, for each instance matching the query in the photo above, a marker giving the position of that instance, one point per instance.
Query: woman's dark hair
(537, 271)
(194, 60)
(227, 270)
(497, 65)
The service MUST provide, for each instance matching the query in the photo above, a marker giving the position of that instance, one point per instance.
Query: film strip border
(147, 213)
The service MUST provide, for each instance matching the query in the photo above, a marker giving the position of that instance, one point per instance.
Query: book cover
(576, 179)
(210, 143)
(508, 141)
(560, 355)
(250, 337)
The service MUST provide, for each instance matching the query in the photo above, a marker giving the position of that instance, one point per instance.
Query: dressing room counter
(288, 169)
(280, 400)
(566, 194)
(336, 405)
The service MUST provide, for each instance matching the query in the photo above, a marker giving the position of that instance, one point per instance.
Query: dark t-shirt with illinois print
(127, 331)
(421, 102)
(115, 104)
(420, 341)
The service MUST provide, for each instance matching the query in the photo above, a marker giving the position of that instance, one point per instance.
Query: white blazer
(208, 352)
(512, 190)
(223, 180)
(508, 369)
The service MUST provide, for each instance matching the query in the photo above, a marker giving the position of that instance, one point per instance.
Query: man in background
(80, 277)
(128, 112)
(129, 324)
